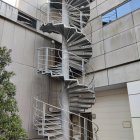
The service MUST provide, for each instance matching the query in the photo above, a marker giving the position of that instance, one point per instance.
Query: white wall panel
(112, 109)
(134, 99)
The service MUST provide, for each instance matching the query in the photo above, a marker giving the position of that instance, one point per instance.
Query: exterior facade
(114, 64)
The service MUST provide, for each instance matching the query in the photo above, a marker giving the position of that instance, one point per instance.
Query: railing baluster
(38, 59)
(46, 59)
(43, 118)
(83, 71)
(85, 129)
(81, 21)
(48, 11)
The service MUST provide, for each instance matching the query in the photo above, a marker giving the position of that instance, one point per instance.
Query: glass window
(135, 4)
(123, 10)
(109, 17)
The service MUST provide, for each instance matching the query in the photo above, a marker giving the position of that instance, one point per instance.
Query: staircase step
(83, 95)
(76, 66)
(81, 91)
(71, 80)
(86, 101)
(53, 119)
(48, 124)
(53, 114)
(81, 48)
(80, 105)
(82, 53)
(76, 109)
(51, 128)
(79, 43)
(75, 86)
(50, 134)
(77, 59)
(78, 90)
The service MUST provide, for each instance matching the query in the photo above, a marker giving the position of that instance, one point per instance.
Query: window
(109, 17)
(27, 20)
(120, 11)
(123, 10)
(135, 4)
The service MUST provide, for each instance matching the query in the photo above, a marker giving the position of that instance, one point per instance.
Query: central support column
(65, 71)
(65, 114)
(65, 55)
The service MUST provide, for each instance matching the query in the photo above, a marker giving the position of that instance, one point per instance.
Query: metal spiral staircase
(68, 63)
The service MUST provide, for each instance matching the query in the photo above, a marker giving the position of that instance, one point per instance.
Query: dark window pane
(27, 20)
(109, 17)
(124, 9)
(135, 4)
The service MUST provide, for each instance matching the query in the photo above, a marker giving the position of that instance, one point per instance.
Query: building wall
(116, 46)
(113, 115)
(116, 61)
(134, 99)
(29, 83)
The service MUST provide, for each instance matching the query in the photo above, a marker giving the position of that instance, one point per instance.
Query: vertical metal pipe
(65, 15)
(83, 71)
(85, 129)
(48, 11)
(65, 115)
(81, 21)
(65, 71)
(46, 59)
(38, 58)
(43, 119)
(65, 59)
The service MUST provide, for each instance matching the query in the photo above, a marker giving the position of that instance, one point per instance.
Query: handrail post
(81, 21)
(46, 59)
(38, 59)
(43, 118)
(48, 11)
(85, 129)
(83, 71)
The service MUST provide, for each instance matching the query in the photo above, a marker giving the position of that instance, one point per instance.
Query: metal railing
(42, 109)
(50, 61)
(52, 12)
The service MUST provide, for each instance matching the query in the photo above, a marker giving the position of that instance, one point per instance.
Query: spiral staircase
(68, 63)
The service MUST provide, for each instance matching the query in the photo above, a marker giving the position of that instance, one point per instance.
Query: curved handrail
(73, 12)
(63, 121)
(50, 59)
(67, 112)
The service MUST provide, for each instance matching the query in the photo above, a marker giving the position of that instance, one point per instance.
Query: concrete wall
(113, 115)
(28, 82)
(116, 46)
(134, 99)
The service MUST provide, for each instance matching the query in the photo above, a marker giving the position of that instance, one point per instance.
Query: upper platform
(78, 12)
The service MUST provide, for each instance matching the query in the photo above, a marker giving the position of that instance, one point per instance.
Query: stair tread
(51, 134)
(81, 91)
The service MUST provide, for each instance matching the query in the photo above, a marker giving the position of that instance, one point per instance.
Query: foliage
(10, 122)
